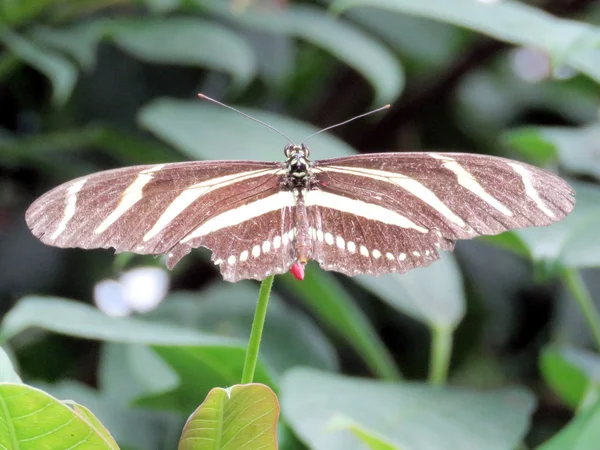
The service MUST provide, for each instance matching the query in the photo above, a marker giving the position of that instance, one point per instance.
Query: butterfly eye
(306, 151)
(288, 151)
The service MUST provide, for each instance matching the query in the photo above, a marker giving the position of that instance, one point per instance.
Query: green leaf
(129, 149)
(576, 149)
(289, 337)
(572, 242)
(366, 55)
(571, 373)
(406, 416)
(127, 371)
(8, 373)
(93, 421)
(49, 423)
(567, 41)
(186, 41)
(370, 438)
(80, 320)
(239, 417)
(78, 41)
(531, 144)
(329, 302)
(582, 433)
(509, 241)
(433, 295)
(218, 366)
(206, 131)
(61, 72)
(131, 428)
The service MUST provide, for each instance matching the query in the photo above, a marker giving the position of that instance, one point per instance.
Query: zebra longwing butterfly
(371, 213)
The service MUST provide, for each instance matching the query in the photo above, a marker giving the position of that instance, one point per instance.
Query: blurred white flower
(108, 297)
(144, 288)
(531, 64)
(138, 290)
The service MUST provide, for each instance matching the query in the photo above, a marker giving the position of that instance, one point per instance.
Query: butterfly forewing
(152, 209)
(399, 207)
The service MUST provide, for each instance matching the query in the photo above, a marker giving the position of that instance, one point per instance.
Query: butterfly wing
(389, 212)
(162, 209)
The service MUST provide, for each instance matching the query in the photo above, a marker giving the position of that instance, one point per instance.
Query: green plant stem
(441, 350)
(576, 287)
(257, 328)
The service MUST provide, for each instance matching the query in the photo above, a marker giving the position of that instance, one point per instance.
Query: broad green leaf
(186, 41)
(61, 72)
(509, 241)
(572, 242)
(575, 148)
(80, 320)
(78, 41)
(35, 420)
(373, 441)
(131, 428)
(433, 295)
(127, 371)
(567, 41)
(437, 46)
(290, 338)
(583, 433)
(363, 53)
(7, 371)
(129, 149)
(93, 421)
(571, 372)
(407, 416)
(199, 370)
(202, 130)
(243, 416)
(531, 144)
(332, 305)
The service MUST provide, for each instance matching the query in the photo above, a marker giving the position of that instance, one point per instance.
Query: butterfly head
(298, 164)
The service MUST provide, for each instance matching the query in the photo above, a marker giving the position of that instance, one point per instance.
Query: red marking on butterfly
(298, 271)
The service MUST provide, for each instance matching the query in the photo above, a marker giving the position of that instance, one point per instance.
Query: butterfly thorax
(298, 165)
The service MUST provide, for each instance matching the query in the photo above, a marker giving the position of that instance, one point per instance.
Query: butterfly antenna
(245, 115)
(346, 121)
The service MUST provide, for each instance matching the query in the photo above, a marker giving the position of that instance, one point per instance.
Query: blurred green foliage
(511, 330)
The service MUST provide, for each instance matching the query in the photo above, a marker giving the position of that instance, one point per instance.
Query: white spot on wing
(231, 259)
(364, 251)
(376, 254)
(284, 238)
(530, 190)
(389, 256)
(276, 242)
(329, 238)
(402, 256)
(244, 256)
(320, 235)
(339, 241)
(351, 246)
(72, 192)
(256, 251)
(416, 253)
(266, 247)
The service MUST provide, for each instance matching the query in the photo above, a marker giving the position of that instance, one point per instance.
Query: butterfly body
(374, 213)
